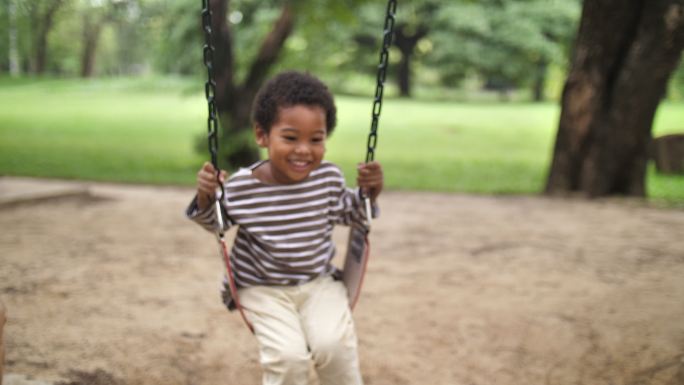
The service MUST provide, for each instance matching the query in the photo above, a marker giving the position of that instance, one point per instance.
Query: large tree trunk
(406, 40)
(234, 101)
(624, 54)
(43, 25)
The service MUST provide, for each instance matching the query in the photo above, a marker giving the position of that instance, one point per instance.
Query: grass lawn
(144, 131)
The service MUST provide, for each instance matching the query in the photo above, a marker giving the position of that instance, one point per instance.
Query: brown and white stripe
(285, 233)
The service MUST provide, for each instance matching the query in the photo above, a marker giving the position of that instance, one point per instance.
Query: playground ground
(110, 284)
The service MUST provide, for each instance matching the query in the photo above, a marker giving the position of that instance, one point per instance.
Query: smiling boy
(286, 208)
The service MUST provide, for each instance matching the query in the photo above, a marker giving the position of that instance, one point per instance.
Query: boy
(286, 207)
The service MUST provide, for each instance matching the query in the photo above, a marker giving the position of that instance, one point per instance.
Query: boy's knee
(287, 362)
(330, 349)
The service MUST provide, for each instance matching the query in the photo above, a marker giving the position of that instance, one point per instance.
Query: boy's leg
(329, 328)
(283, 353)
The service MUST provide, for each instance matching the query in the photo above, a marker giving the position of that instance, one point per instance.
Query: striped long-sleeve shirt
(285, 231)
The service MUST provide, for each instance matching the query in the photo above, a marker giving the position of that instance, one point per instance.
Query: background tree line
(505, 45)
(499, 45)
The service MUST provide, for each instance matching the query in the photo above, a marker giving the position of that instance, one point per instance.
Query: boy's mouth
(300, 164)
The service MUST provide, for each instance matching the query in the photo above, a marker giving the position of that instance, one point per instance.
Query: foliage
(336, 56)
(27, 16)
(503, 42)
(127, 34)
(178, 22)
(499, 42)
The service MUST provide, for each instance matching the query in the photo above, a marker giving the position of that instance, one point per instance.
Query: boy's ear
(260, 136)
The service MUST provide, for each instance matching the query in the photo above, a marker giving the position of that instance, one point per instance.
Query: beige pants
(297, 324)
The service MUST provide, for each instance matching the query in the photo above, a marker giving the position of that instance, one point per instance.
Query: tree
(96, 16)
(239, 76)
(93, 22)
(507, 43)
(42, 17)
(413, 23)
(233, 98)
(178, 24)
(623, 56)
(13, 48)
(407, 35)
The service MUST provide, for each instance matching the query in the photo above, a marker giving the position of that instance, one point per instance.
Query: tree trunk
(13, 47)
(43, 28)
(91, 36)
(540, 80)
(234, 101)
(404, 74)
(624, 54)
(406, 40)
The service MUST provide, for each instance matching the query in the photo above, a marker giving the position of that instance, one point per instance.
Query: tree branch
(269, 51)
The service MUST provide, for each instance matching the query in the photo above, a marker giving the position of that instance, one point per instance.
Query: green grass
(144, 131)
(452, 147)
(112, 131)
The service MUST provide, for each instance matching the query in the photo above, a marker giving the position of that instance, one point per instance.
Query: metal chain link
(388, 31)
(210, 88)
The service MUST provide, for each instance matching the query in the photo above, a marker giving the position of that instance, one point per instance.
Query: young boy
(286, 208)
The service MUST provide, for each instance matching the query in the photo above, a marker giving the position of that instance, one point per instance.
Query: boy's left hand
(370, 179)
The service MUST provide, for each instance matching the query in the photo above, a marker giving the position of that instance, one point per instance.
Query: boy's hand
(370, 179)
(207, 185)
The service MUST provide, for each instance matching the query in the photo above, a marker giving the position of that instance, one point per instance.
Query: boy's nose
(302, 149)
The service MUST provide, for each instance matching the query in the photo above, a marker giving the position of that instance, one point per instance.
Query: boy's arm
(352, 208)
(370, 179)
(205, 217)
(351, 204)
(202, 209)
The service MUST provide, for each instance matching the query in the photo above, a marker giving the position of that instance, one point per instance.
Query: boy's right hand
(207, 185)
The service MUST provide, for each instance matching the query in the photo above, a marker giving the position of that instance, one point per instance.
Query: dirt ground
(117, 287)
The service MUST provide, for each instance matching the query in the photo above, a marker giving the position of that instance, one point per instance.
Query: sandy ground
(117, 287)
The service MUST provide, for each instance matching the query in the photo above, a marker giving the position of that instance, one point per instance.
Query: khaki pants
(297, 324)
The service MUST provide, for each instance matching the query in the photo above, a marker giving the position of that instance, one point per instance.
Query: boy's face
(295, 143)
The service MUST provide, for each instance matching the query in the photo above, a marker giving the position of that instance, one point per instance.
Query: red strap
(232, 286)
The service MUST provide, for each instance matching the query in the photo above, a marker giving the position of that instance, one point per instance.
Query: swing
(358, 246)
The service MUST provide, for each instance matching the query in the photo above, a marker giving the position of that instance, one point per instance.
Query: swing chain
(388, 32)
(210, 93)
(212, 121)
(210, 84)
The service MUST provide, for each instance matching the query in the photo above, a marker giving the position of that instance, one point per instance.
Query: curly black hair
(289, 89)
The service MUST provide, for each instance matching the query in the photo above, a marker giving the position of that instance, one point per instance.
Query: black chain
(388, 31)
(210, 87)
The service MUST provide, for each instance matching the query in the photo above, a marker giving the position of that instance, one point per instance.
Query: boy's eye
(290, 138)
(317, 140)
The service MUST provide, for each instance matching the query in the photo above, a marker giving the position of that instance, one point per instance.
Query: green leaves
(502, 41)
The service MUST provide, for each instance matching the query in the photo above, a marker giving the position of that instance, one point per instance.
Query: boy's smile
(295, 144)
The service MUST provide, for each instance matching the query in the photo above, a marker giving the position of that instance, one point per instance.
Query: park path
(111, 284)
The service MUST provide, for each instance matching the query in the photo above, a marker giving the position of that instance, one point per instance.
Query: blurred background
(474, 101)
(494, 101)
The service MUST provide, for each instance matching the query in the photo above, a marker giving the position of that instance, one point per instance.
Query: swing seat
(355, 262)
